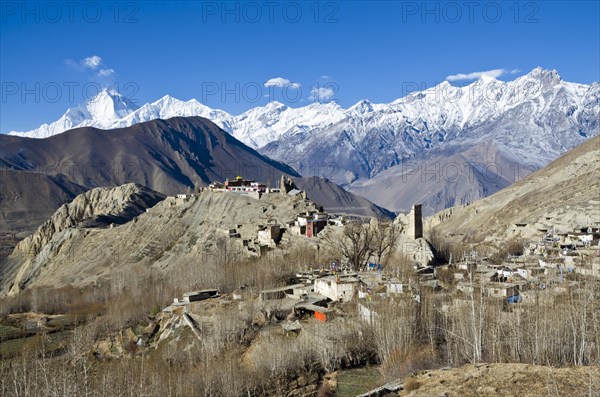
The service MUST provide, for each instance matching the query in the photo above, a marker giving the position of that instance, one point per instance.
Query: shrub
(514, 247)
(155, 310)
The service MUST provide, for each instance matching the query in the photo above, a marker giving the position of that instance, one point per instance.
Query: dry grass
(504, 380)
(411, 384)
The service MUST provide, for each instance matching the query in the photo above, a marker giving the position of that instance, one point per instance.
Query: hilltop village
(542, 266)
(515, 276)
(541, 258)
(507, 284)
(258, 239)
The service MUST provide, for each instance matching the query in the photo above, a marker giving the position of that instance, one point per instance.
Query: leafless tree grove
(239, 356)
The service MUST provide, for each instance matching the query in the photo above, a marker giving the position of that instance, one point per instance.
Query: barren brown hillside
(565, 194)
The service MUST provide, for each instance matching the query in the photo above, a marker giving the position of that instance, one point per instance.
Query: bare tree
(385, 235)
(355, 244)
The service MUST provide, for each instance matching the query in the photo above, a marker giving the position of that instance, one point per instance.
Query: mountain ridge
(246, 126)
(170, 156)
(183, 147)
(532, 120)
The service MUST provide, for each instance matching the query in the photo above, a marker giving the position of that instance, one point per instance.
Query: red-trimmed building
(314, 227)
(241, 185)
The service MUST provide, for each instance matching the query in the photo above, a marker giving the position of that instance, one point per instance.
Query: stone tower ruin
(415, 222)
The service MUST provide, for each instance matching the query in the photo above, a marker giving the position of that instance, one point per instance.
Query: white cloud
(321, 94)
(281, 83)
(106, 72)
(495, 73)
(92, 62)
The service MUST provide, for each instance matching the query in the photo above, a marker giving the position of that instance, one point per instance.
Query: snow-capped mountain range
(435, 113)
(532, 119)
(536, 118)
(258, 126)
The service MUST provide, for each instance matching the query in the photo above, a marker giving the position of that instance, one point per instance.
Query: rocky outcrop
(97, 208)
(93, 208)
(174, 233)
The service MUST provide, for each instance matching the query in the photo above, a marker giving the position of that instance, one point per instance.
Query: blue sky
(54, 55)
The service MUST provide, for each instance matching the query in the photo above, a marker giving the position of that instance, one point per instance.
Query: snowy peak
(487, 79)
(529, 121)
(543, 78)
(261, 125)
(168, 107)
(175, 107)
(362, 107)
(540, 73)
(275, 105)
(109, 105)
(110, 109)
(101, 111)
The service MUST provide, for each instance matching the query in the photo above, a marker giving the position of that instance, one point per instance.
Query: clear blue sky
(223, 53)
